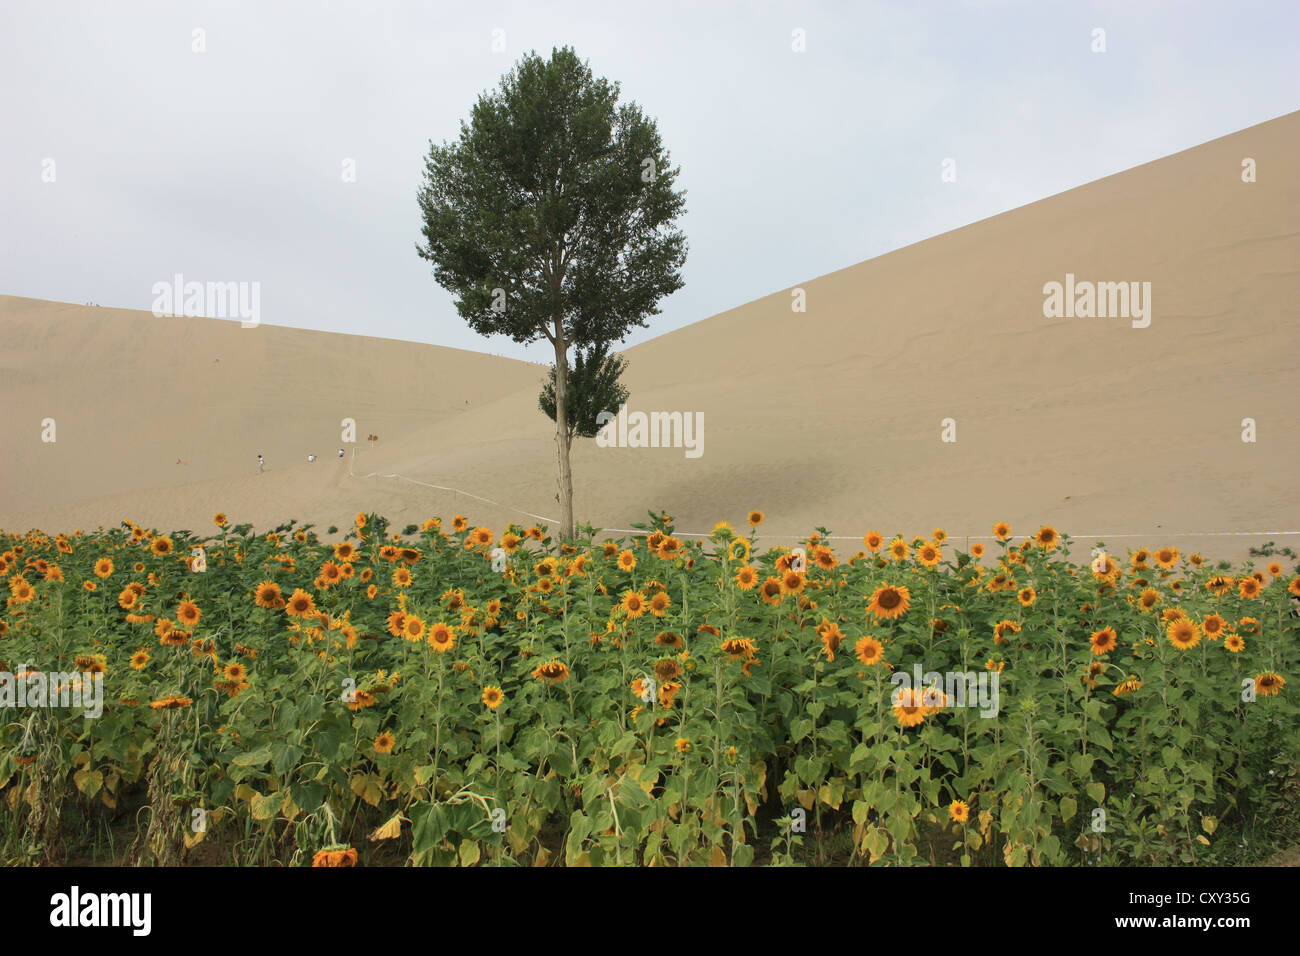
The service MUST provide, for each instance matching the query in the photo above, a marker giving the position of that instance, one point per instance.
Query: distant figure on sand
(261, 463)
(311, 458)
(340, 452)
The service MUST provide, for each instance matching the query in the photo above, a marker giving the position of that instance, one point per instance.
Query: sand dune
(829, 417)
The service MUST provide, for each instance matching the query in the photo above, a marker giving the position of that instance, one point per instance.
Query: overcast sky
(227, 164)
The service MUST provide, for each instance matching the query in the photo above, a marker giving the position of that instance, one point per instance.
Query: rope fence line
(829, 537)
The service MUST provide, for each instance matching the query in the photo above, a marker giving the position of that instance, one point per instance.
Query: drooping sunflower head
(1269, 684)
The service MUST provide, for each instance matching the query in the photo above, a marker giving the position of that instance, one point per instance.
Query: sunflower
(898, 549)
(959, 811)
(669, 548)
(235, 672)
(1235, 643)
(909, 710)
(1213, 626)
(1294, 587)
(889, 602)
(442, 637)
(552, 671)
(1249, 588)
(831, 635)
(401, 577)
(338, 855)
(1249, 625)
(660, 602)
(626, 560)
(824, 557)
(1269, 684)
(977, 550)
(873, 541)
(126, 600)
(103, 568)
(1166, 557)
(723, 530)
(1002, 629)
(267, 595)
(161, 545)
(1027, 596)
(1219, 585)
(929, 554)
(1149, 599)
(384, 743)
(1104, 641)
(633, 604)
(1047, 538)
(738, 647)
(492, 697)
(1139, 558)
(792, 582)
(1183, 633)
(171, 703)
(683, 745)
(869, 651)
(746, 578)
(770, 591)
(1002, 531)
(755, 518)
(412, 628)
(188, 613)
(1127, 687)
(139, 659)
(667, 669)
(219, 519)
(300, 604)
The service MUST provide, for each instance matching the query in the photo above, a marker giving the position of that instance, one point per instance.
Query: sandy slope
(829, 417)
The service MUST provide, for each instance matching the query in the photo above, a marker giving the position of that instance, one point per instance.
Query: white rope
(829, 537)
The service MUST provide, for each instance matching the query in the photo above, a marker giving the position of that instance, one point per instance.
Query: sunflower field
(453, 695)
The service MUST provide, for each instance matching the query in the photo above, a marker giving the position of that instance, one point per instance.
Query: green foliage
(543, 197)
(594, 387)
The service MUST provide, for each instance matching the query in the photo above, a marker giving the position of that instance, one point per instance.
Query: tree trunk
(562, 431)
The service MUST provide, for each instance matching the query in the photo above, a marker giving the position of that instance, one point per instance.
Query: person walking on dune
(261, 463)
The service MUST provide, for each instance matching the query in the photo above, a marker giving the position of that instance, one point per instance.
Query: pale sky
(226, 165)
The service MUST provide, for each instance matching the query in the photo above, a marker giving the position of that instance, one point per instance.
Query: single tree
(553, 215)
(594, 387)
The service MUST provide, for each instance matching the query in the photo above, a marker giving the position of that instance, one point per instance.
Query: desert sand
(830, 417)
